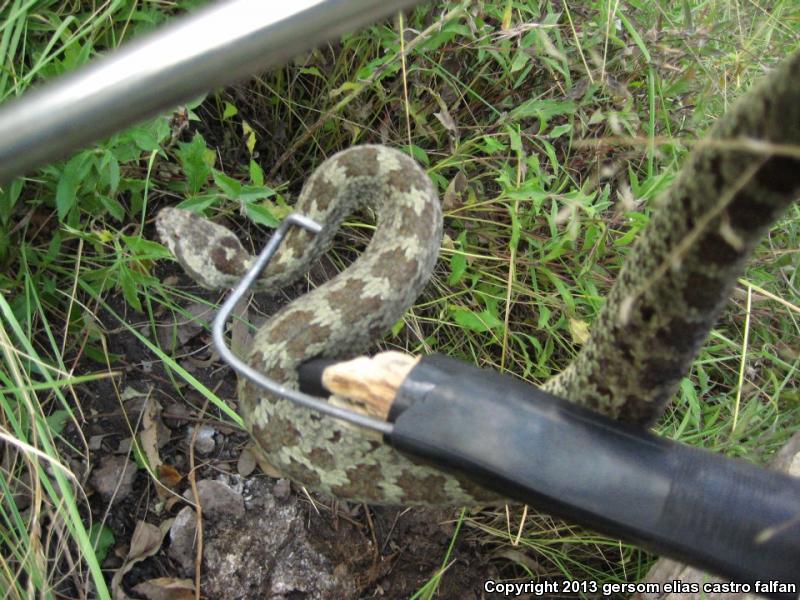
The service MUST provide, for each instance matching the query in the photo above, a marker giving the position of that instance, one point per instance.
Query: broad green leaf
(521, 58)
(114, 208)
(144, 248)
(111, 171)
(198, 203)
(253, 193)
(478, 322)
(458, 261)
(543, 109)
(229, 186)
(458, 266)
(256, 173)
(560, 130)
(261, 215)
(9, 195)
(196, 159)
(67, 188)
(419, 154)
(144, 139)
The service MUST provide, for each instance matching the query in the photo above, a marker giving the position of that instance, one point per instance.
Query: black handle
(721, 514)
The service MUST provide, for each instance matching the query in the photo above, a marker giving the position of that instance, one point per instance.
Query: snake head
(209, 253)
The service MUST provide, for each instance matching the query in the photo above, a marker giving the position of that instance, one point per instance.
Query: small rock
(217, 499)
(246, 464)
(182, 539)
(124, 446)
(176, 414)
(267, 554)
(282, 489)
(204, 443)
(201, 316)
(113, 479)
(96, 441)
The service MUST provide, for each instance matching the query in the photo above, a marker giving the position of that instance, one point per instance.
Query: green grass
(559, 124)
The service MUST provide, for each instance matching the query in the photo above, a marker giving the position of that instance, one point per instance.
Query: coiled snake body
(340, 318)
(664, 302)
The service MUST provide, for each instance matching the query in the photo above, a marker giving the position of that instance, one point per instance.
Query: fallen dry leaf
(454, 194)
(148, 436)
(166, 588)
(169, 476)
(579, 330)
(113, 478)
(266, 466)
(145, 542)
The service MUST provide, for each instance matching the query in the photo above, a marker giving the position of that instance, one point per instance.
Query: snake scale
(664, 302)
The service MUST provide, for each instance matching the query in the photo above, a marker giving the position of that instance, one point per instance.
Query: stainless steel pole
(216, 46)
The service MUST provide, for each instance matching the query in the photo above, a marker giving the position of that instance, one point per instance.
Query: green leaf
(689, 395)
(128, 287)
(139, 457)
(57, 420)
(513, 242)
(458, 266)
(114, 208)
(543, 109)
(562, 288)
(398, 327)
(560, 130)
(144, 139)
(516, 140)
(521, 58)
(198, 203)
(196, 159)
(544, 316)
(254, 193)
(478, 322)
(68, 183)
(492, 145)
(144, 248)
(112, 172)
(102, 538)
(53, 247)
(261, 215)
(9, 195)
(419, 154)
(230, 111)
(256, 173)
(635, 35)
(458, 261)
(229, 186)
(100, 356)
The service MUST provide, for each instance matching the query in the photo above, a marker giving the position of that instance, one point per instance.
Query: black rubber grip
(725, 515)
(310, 376)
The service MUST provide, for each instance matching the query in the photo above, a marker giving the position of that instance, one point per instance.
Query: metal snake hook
(245, 370)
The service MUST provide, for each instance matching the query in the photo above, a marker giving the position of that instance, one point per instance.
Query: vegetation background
(549, 127)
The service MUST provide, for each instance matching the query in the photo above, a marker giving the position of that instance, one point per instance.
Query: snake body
(663, 304)
(338, 319)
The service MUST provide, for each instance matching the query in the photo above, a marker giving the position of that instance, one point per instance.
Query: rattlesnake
(668, 294)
